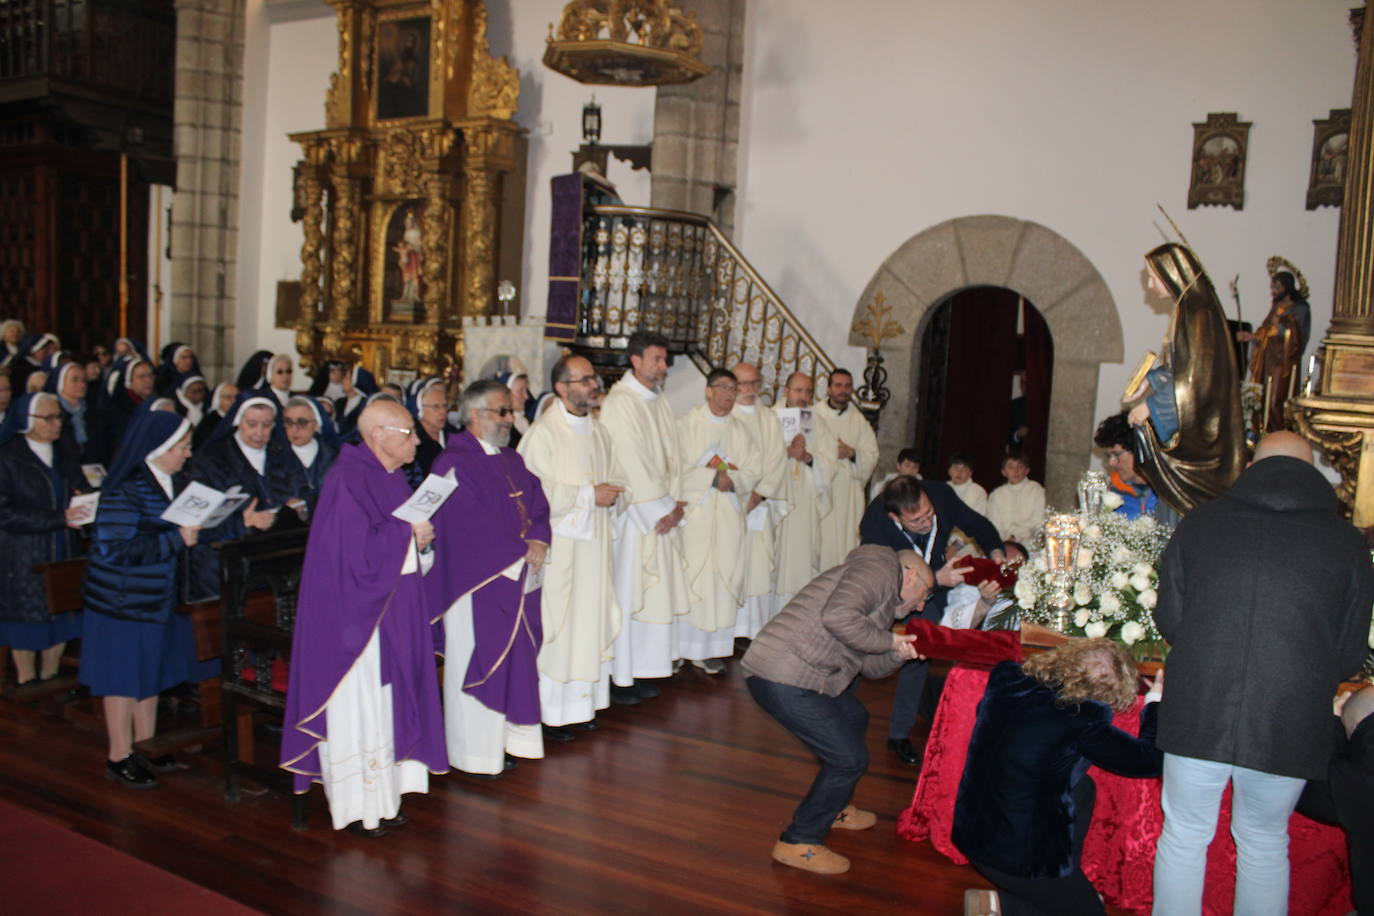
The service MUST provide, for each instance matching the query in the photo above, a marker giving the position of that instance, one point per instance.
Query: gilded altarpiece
(401, 195)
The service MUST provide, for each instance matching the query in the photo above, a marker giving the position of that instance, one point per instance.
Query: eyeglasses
(46, 416)
(499, 411)
(300, 424)
(403, 430)
(730, 389)
(592, 379)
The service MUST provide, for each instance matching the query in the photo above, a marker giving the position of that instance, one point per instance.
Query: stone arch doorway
(1033, 261)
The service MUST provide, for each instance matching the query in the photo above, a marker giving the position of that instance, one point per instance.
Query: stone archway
(1039, 264)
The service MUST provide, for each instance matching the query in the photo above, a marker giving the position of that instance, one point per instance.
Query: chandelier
(626, 43)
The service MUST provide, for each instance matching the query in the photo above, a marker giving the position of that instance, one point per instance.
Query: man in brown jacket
(802, 669)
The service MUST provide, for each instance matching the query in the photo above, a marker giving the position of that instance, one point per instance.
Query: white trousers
(478, 738)
(362, 779)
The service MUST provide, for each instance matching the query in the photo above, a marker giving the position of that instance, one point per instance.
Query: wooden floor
(671, 807)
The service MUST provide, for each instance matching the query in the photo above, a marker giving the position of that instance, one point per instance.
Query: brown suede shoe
(810, 857)
(852, 818)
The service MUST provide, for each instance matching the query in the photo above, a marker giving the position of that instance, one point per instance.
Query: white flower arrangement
(1115, 592)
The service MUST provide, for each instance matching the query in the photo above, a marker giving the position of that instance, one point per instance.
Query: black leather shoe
(511, 763)
(357, 829)
(588, 726)
(559, 734)
(625, 696)
(164, 764)
(647, 690)
(485, 777)
(399, 820)
(130, 773)
(904, 751)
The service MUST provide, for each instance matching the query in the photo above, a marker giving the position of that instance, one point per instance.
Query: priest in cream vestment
(806, 487)
(764, 508)
(720, 465)
(571, 454)
(855, 457)
(650, 577)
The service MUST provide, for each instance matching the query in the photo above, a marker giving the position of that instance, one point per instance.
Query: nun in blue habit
(68, 383)
(358, 386)
(39, 473)
(432, 427)
(134, 645)
(312, 446)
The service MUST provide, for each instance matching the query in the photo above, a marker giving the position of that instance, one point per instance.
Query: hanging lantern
(591, 122)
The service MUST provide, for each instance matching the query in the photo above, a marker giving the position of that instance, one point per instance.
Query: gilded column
(434, 236)
(1354, 302)
(479, 234)
(1339, 417)
(344, 222)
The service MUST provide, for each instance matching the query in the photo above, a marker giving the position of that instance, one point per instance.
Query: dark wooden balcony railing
(119, 47)
(676, 273)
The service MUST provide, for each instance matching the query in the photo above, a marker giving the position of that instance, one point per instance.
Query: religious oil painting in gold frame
(403, 258)
(1330, 155)
(1220, 146)
(403, 58)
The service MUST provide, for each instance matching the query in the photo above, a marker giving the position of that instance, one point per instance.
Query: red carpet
(51, 870)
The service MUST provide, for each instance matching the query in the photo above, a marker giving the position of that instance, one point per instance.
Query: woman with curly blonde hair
(1025, 800)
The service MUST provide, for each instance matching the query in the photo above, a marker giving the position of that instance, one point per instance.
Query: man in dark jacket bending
(919, 515)
(1265, 596)
(802, 668)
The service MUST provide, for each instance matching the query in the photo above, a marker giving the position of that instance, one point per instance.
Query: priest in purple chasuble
(363, 715)
(492, 535)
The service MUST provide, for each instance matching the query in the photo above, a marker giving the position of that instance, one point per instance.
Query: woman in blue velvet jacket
(134, 646)
(1025, 800)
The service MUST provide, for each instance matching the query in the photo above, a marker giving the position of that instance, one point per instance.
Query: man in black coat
(1265, 597)
(919, 515)
(1346, 795)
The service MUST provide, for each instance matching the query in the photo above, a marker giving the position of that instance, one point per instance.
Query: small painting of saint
(403, 68)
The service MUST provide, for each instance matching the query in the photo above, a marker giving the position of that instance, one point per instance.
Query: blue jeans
(1261, 804)
(833, 728)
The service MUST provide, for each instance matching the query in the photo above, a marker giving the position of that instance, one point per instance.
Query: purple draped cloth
(479, 532)
(351, 586)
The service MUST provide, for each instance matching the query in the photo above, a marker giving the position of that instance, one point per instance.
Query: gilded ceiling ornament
(627, 43)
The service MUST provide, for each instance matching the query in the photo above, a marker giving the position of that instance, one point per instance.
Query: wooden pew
(63, 581)
(259, 578)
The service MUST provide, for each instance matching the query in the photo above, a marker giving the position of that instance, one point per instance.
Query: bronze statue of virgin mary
(1190, 433)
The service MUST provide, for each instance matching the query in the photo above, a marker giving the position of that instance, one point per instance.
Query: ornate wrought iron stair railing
(678, 274)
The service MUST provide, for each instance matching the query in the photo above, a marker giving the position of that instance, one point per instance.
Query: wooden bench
(62, 581)
(259, 579)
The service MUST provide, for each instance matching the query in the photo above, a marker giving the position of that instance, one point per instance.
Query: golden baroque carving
(344, 213)
(1341, 447)
(878, 324)
(338, 100)
(433, 226)
(653, 23)
(401, 165)
(495, 88)
(479, 231)
(312, 247)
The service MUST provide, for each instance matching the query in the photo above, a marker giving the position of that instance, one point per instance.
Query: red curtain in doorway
(980, 361)
(1039, 372)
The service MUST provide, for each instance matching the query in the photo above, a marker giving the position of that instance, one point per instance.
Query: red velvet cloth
(973, 647)
(978, 570)
(1119, 853)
